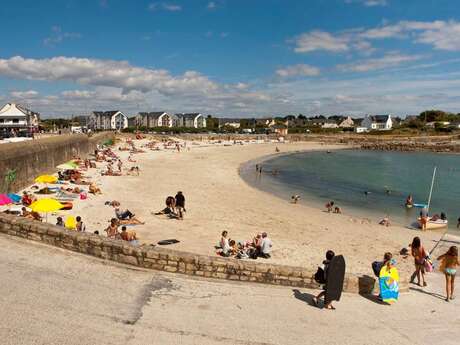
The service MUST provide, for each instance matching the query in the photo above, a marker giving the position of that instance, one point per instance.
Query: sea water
(371, 184)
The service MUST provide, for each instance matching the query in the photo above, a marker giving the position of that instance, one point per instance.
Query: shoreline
(219, 199)
(282, 191)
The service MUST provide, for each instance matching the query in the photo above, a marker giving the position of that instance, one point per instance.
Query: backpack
(320, 276)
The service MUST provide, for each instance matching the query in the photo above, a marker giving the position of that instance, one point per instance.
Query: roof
(379, 118)
(190, 116)
(13, 109)
(154, 114)
(105, 113)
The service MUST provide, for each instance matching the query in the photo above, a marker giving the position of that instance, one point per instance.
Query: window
(15, 120)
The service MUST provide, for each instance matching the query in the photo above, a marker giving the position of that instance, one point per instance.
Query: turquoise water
(345, 175)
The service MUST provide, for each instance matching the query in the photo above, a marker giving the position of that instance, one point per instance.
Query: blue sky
(231, 57)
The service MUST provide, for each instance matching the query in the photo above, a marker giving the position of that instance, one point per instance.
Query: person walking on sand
(329, 256)
(449, 263)
(419, 254)
(180, 204)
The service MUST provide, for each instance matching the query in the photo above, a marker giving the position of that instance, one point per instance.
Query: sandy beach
(218, 199)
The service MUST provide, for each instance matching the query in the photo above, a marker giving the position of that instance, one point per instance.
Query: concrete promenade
(52, 296)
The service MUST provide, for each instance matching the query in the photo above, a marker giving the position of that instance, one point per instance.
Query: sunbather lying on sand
(126, 217)
(93, 189)
(133, 171)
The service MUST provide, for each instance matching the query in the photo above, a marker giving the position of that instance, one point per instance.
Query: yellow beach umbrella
(71, 223)
(46, 179)
(46, 205)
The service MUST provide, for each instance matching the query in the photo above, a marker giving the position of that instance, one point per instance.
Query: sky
(231, 58)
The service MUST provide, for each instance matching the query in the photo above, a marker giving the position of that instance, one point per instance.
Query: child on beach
(449, 263)
(419, 254)
(329, 206)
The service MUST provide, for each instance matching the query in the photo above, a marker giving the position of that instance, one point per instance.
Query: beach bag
(428, 265)
(376, 267)
(320, 276)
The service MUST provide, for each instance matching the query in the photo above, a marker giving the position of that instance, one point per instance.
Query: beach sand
(218, 199)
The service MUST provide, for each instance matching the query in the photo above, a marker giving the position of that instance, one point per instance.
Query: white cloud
(24, 94)
(172, 7)
(117, 83)
(211, 5)
(389, 60)
(106, 73)
(164, 6)
(78, 94)
(300, 70)
(58, 36)
(320, 40)
(368, 3)
(372, 3)
(442, 35)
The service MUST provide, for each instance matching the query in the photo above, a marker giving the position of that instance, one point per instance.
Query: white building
(158, 119)
(15, 117)
(440, 123)
(361, 130)
(347, 123)
(377, 122)
(329, 125)
(235, 125)
(192, 120)
(108, 120)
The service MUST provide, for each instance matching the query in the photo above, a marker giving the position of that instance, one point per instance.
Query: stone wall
(35, 157)
(168, 260)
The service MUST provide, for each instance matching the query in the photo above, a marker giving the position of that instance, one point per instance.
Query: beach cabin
(15, 118)
(347, 123)
(108, 120)
(192, 120)
(377, 122)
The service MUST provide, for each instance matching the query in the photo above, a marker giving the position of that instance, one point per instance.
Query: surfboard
(335, 279)
(420, 205)
(389, 284)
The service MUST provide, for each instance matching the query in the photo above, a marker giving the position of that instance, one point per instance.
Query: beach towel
(389, 284)
(16, 198)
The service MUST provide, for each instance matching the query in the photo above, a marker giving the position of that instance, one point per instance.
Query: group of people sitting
(125, 235)
(78, 225)
(332, 207)
(175, 206)
(260, 246)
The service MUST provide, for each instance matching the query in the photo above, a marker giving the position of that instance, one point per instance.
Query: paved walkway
(51, 296)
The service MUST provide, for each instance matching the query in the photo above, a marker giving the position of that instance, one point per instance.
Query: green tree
(433, 115)
(212, 123)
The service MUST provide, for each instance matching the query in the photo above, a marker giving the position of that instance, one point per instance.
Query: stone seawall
(168, 260)
(21, 162)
